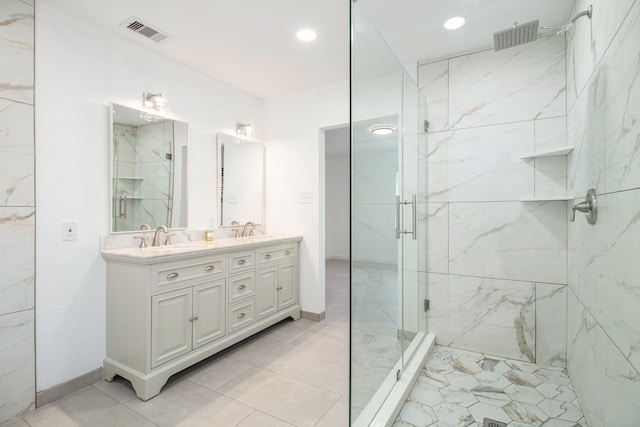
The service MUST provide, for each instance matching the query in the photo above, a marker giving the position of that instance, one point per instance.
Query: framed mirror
(148, 170)
(240, 180)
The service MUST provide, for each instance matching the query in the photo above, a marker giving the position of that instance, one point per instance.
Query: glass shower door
(385, 195)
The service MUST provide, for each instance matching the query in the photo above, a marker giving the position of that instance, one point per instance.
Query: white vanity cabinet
(169, 310)
(277, 282)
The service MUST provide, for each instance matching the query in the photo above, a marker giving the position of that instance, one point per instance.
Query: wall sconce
(155, 101)
(244, 129)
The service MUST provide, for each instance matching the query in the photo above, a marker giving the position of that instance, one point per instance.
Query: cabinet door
(209, 302)
(170, 325)
(287, 286)
(266, 293)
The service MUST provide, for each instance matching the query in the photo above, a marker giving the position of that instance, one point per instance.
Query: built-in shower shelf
(130, 177)
(561, 151)
(548, 198)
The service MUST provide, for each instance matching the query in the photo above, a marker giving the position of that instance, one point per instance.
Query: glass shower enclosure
(388, 233)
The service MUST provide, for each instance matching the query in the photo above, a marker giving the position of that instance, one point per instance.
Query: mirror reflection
(240, 180)
(148, 167)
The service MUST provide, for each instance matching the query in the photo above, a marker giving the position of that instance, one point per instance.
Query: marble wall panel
(550, 133)
(500, 240)
(17, 364)
(16, 154)
(488, 315)
(17, 228)
(16, 51)
(551, 324)
(588, 40)
(523, 83)
(433, 81)
(433, 228)
(621, 77)
(482, 164)
(550, 177)
(585, 130)
(606, 271)
(606, 383)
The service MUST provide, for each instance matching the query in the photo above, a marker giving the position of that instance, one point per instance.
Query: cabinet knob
(287, 253)
(195, 317)
(241, 315)
(242, 261)
(267, 256)
(241, 287)
(209, 268)
(172, 275)
(279, 288)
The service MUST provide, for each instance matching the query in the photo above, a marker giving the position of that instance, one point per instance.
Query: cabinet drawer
(277, 253)
(241, 315)
(241, 286)
(241, 261)
(173, 275)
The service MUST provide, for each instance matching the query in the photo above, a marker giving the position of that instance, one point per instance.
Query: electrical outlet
(306, 198)
(69, 230)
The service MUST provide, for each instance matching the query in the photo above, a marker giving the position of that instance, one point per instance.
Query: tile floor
(294, 374)
(461, 388)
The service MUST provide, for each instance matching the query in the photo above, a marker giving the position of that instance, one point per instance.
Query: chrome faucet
(244, 229)
(156, 235)
(145, 227)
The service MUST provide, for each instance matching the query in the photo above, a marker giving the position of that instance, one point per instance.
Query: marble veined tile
(551, 324)
(16, 154)
(433, 227)
(433, 81)
(16, 51)
(509, 240)
(523, 83)
(482, 164)
(486, 315)
(620, 67)
(550, 133)
(588, 40)
(17, 233)
(585, 130)
(17, 364)
(606, 272)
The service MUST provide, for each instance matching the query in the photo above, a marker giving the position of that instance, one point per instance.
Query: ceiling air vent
(138, 26)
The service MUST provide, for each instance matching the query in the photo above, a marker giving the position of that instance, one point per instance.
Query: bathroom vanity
(169, 307)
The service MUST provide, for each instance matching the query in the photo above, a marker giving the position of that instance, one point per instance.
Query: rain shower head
(525, 33)
(516, 35)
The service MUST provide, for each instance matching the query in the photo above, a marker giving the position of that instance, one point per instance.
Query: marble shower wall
(17, 209)
(603, 122)
(496, 265)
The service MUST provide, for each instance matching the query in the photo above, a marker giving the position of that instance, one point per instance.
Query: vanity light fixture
(155, 101)
(244, 129)
(382, 130)
(306, 35)
(454, 23)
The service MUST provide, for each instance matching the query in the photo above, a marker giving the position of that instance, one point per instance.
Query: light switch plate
(306, 198)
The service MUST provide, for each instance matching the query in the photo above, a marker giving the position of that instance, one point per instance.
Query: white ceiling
(251, 44)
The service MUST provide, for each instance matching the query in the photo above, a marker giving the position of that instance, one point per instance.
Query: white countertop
(198, 248)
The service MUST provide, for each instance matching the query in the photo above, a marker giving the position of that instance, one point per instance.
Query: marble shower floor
(293, 374)
(461, 388)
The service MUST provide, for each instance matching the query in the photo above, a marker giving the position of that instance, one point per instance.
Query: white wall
(295, 165)
(79, 70)
(337, 193)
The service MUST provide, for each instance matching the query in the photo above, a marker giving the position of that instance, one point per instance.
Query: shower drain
(493, 423)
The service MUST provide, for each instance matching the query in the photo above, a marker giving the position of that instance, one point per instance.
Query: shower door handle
(414, 217)
(397, 217)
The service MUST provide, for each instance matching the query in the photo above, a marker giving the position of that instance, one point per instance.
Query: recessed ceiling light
(382, 129)
(306, 35)
(454, 23)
